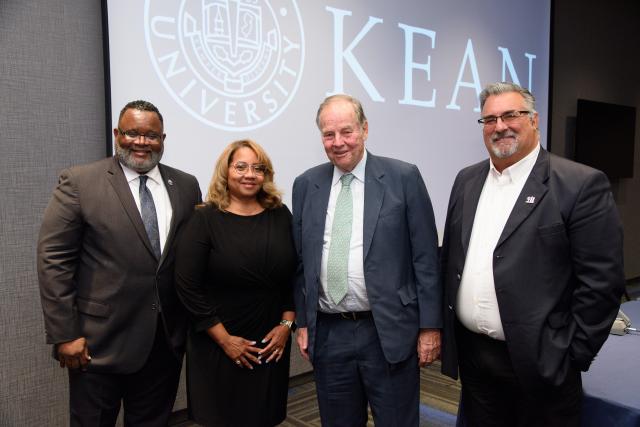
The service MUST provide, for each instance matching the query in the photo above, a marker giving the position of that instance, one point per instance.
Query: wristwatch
(289, 324)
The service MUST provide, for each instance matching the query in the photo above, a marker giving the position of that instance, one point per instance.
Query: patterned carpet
(438, 401)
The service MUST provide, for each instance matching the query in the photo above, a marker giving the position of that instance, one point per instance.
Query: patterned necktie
(338, 261)
(149, 217)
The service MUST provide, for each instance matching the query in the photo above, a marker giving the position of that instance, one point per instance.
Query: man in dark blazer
(532, 266)
(366, 344)
(106, 283)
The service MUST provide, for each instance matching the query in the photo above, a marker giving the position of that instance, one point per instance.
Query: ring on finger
(237, 361)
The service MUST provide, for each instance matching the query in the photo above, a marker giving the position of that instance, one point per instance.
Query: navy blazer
(400, 251)
(557, 267)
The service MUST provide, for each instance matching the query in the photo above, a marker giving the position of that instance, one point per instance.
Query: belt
(348, 315)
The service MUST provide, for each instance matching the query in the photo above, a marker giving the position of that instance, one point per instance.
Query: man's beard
(501, 151)
(126, 157)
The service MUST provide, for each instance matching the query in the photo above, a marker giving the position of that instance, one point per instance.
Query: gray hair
(357, 108)
(507, 87)
(140, 105)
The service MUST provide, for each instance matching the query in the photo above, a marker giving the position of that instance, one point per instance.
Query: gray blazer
(557, 267)
(400, 251)
(98, 276)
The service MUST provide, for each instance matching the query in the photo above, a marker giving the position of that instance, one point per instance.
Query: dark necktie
(149, 216)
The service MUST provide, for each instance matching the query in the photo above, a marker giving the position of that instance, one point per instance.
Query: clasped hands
(245, 354)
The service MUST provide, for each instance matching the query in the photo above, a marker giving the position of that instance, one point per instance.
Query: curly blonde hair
(269, 196)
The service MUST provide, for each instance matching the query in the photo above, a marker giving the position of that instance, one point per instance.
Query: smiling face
(509, 143)
(342, 136)
(139, 140)
(244, 186)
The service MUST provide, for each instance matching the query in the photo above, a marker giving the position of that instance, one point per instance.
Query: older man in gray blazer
(367, 290)
(105, 265)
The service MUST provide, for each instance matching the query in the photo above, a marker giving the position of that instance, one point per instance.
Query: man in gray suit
(532, 265)
(367, 289)
(105, 266)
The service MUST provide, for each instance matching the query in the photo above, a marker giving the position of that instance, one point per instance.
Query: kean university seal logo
(232, 64)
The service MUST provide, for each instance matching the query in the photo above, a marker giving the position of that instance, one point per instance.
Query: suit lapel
(116, 178)
(532, 194)
(373, 197)
(319, 200)
(472, 191)
(176, 207)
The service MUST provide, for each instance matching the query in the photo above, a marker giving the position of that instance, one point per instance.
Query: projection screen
(223, 70)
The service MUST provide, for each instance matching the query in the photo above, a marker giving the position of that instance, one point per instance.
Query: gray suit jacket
(97, 272)
(400, 251)
(557, 267)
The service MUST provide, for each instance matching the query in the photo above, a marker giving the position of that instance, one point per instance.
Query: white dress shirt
(477, 304)
(356, 298)
(161, 201)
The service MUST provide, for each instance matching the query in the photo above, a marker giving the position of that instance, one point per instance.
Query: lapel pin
(170, 182)
(530, 199)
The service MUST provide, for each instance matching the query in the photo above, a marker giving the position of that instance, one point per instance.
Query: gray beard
(125, 156)
(503, 153)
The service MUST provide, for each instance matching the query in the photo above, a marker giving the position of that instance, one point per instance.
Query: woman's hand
(277, 339)
(241, 351)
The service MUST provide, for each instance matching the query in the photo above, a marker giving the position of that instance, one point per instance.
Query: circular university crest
(232, 64)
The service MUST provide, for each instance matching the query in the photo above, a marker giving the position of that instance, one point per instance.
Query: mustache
(504, 134)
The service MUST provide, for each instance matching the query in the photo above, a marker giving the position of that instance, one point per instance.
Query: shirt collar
(519, 170)
(153, 174)
(357, 172)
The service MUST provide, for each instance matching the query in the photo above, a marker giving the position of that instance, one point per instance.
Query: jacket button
(459, 276)
(153, 306)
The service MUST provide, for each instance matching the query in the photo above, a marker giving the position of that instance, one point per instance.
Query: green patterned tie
(338, 262)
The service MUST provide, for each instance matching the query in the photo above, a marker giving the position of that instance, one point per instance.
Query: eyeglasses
(242, 168)
(132, 135)
(507, 118)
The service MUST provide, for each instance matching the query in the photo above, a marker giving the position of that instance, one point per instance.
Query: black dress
(237, 270)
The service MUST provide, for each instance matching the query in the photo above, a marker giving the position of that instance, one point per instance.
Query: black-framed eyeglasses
(243, 167)
(507, 118)
(133, 135)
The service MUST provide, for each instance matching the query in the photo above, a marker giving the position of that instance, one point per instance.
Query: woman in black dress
(234, 271)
